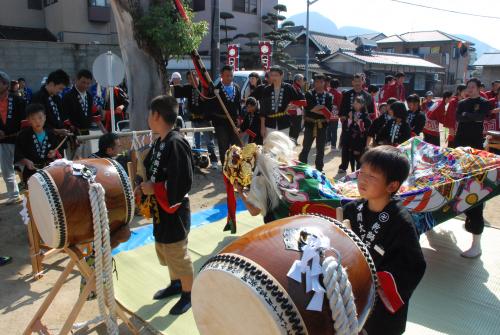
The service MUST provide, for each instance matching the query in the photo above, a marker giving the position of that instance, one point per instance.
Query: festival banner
(233, 56)
(266, 51)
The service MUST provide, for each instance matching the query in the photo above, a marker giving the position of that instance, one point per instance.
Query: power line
(447, 10)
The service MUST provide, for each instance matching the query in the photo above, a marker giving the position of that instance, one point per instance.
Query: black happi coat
(233, 105)
(195, 105)
(252, 122)
(313, 99)
(78, 111)
(278, 117)
(15, 114)
(169, 165)
(471, 113)
(355, 132)
(28, 147)
(377, 126)
(348, 100)
(416, 121)
(385, 136)
(392, 241)
(53, 108)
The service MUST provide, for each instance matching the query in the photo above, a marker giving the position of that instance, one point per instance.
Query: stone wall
(34, 60)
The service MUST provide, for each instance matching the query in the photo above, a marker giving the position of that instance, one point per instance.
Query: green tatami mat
(140, 275)
(456, 296)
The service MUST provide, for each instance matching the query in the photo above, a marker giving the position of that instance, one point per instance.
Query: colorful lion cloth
(443, 183)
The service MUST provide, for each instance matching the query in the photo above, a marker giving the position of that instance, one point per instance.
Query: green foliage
(163, 33)
(279, 35)
(226, 15)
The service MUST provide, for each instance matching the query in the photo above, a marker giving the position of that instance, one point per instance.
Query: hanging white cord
(103, 260)
(340, 297)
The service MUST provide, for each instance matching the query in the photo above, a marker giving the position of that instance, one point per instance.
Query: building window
(245, 6)
(98, 3)
(47, 3)
(419, 82)
(35, 4)
(390, 50)
(435, 50)
(198, 5)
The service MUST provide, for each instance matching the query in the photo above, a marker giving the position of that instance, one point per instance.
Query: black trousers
(350, 158)
(474, 220)
(225, 138)
(320, 144)
(331, 137)
(295, 127)
(432, 139)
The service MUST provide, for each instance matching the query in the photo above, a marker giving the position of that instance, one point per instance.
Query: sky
(395, 18)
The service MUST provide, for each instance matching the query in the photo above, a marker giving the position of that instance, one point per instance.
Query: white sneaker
(475, 250)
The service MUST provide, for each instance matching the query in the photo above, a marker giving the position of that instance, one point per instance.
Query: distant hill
(321, 23)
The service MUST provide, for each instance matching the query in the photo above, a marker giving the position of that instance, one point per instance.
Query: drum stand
(76, 259)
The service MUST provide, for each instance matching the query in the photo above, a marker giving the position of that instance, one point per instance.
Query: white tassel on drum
(311, 254)
(335, 280)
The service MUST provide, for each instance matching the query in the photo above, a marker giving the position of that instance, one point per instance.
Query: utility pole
(215, 42)
(309, 2)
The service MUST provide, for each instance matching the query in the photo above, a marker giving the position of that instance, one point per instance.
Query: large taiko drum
(60, 202)
(245, 288)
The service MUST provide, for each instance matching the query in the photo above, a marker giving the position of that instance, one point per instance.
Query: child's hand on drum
(29, 164)
(148, 188)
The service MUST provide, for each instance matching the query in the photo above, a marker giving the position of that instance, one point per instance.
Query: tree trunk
(144, 75)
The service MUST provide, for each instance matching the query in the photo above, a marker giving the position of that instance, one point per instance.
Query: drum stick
(62, 142)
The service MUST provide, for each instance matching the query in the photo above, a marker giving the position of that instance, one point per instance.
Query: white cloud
(395, 18)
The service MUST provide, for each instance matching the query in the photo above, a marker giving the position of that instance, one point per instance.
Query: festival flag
(233, 56)
(266, 51)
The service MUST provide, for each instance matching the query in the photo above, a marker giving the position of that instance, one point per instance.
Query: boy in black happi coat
(388, 231)
(169, 167)
(35, 146)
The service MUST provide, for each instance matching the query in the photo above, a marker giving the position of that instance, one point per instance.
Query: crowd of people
(33, 129)
(36, 128)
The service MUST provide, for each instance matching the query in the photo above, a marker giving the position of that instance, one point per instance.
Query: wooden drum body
(245, 289)
(60, 204)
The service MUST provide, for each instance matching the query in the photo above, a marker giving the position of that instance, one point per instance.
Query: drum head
(47, 210)
(236, 296)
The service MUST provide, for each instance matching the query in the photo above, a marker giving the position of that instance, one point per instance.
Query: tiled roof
(332, 42)
(327, 43)
(22, 33)
(420, 36)
(387, 59)
(489, 59)
(371, 36)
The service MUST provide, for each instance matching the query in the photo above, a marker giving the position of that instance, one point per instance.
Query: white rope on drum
(340, 297)
(103, 260)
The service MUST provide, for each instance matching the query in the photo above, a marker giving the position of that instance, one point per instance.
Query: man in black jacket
(275, 100)
(471, 113)
(77, 105)
(348, 101)
(231, 97)
(48, 96)
(12, 113)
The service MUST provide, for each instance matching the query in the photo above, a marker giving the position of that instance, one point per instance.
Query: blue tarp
(144, 235)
